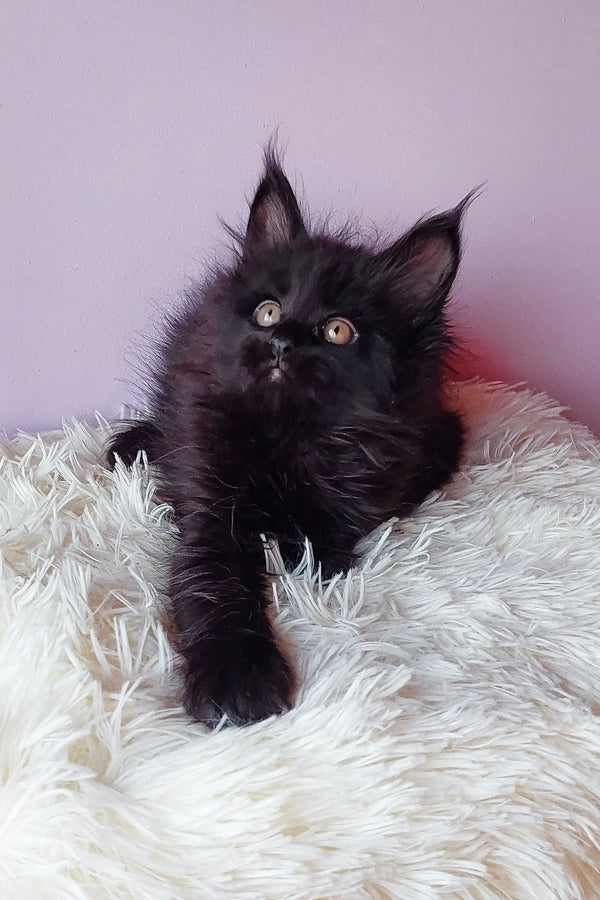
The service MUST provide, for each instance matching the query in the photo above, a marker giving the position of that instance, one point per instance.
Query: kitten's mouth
(275, 371)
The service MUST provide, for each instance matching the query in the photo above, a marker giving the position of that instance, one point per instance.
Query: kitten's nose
(280, 348)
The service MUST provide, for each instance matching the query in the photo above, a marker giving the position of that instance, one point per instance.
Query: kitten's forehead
(325, 277)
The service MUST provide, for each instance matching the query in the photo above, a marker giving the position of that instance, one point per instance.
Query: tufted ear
(421, 265)
(275, 217)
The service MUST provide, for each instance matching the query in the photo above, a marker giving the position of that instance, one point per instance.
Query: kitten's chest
(297, 477)
(285, 474)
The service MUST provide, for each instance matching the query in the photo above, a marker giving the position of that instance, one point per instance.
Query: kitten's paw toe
(246, 682)
(127, 444)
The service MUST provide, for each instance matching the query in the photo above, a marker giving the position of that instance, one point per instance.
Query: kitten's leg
(127, 444)
(218, 592)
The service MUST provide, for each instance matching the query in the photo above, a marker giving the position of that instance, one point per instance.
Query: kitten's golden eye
(339, 331)
(267, 313)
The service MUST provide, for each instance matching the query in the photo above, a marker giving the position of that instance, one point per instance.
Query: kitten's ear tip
(423, 263)
(461, 208)
(273, 156)
(275, 217)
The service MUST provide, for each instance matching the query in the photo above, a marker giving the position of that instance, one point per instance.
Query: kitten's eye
(339, 331)
(267, 313)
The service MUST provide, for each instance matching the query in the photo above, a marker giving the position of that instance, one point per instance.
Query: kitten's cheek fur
(247, 681)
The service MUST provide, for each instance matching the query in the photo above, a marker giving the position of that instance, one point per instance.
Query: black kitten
(299, 393)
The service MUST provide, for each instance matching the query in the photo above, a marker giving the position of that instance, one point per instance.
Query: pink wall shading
(129, 126)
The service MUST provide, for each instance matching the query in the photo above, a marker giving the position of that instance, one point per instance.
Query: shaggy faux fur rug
(445, 742)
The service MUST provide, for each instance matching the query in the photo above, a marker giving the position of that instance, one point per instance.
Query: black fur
(274, 430)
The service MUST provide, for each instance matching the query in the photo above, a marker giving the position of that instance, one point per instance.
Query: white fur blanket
(445, 742)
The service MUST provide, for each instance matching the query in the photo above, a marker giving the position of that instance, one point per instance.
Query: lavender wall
(127, 126)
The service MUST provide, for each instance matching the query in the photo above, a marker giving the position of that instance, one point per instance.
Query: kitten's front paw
(247, 679)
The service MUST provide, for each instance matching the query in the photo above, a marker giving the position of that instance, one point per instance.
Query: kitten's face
(316, 326)
(303, 327)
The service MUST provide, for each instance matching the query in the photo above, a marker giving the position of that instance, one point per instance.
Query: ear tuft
(422, 265)
(275, 218)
